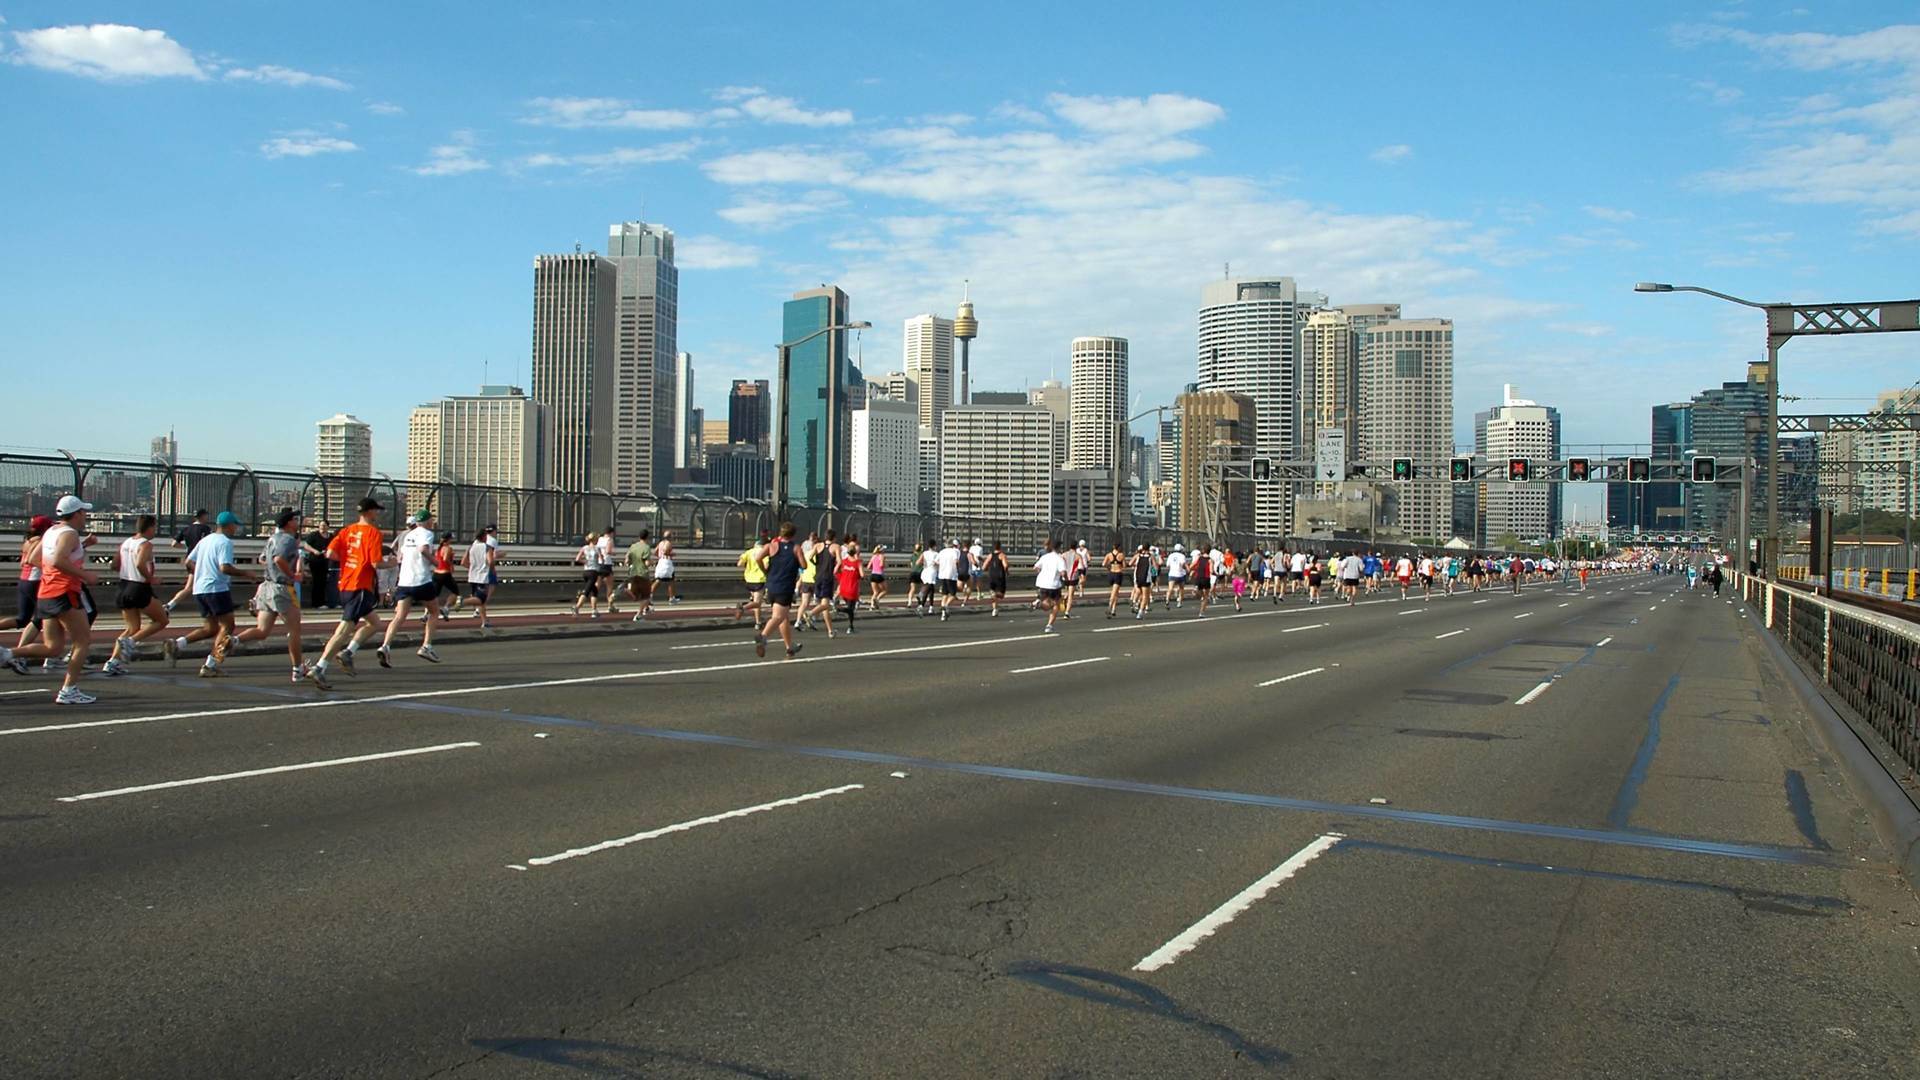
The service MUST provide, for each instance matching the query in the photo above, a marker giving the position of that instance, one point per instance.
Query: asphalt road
(1315, 841)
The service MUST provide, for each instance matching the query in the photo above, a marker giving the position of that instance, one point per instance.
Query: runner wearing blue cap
(211, 571)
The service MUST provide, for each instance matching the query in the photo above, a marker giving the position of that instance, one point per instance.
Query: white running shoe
(425, 652)
(73, 695)
(114, 668)
(170, 649)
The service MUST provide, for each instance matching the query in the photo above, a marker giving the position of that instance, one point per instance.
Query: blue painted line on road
(1619, 837)
(1801, 804)
(1628, 796)
(1824, 903)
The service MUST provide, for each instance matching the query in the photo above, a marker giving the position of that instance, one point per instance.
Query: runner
(1515, 569)
(753, 577)
(1426, 576)
(1077, 560)
(877, 576)
(1352, 568)
(929, 575)
(1050, 577)
(1239, 582)
(479, 563)
(947, 570)
(976, 569)
(605, 565)
(1403, 573)
(640, 577)
(780, 561)
(416, 587)
(847, 578)
(1142, 566)
(1115, 563)
(1316, 568)
(1371, 567)
(663, 568)
(210, 574)
(1452, 568)
(60, 601)
(808, 574)
(443, 578)
(493, 562)
(136, 599)
(826, 568)
(588, 559)
(358, 550)
(274, 599)
(26, 617)
(996, 578)
(1200, 571)
(1585, 566)
(1177, 576)
(913, 573)
(187, 539)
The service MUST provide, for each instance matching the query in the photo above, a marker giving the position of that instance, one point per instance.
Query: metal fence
(1870, 661)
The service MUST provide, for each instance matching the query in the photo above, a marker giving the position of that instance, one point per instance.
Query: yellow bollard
(1910, 584)
(1883, 582)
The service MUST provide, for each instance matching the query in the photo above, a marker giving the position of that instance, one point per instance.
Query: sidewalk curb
(1895, 817)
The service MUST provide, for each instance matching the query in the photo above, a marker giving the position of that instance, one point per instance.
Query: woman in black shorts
(1116, 564)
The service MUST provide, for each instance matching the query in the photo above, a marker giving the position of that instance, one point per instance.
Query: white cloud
(283, 76)
(1393, 154)
(452, 158)
(1717, 93)
(304, 144)
(1824, 150)
(606, 113)
(737, 93)
(780, 110)
(619, 158)
(1609, 213)
(1154, 115)
(1581, 329)
(106, 51)
(384, 108)
(775, 212)
(714, 253)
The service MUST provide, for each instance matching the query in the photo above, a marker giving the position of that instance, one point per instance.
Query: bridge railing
(1869, 660)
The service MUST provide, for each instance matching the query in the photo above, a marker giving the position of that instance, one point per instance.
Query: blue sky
(235, 220)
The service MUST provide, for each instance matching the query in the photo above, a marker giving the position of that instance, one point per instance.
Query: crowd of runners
(792, 584)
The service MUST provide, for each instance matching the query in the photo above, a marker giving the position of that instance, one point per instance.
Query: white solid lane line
(1524, 615)
(1185, 941)
(1309, 626)
(653, 834)
(36, 690)
(1567, 604)
(1533, 693)
(1602, 642)
(1451, 633)
(1411, 611)
(267, 772)
(1295, 675)
(1064, 663)
(1483, 601)
(708, 645)
(495, 688)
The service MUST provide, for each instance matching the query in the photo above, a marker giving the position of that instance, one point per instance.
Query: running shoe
(114, 668)
(675, 600)
(210, 672)
(298, 674)
(425, 652)
(318, 677)
(18, 667)
(73, 695)
(170, 649)
(759, 645)
(384, 655)
(346, 663)
(1048, 630)
(795, 651)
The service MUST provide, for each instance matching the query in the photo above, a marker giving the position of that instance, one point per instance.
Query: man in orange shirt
(360, 551)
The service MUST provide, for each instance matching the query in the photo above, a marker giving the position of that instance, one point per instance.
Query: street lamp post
(1120, 455)
(780, 445)
(1785, 322)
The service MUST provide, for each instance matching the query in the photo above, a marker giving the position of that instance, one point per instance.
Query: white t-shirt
(1426, 567)
(1177, 565)
(948, 563)
(977, 558)
(1403, 568)
(929, 566)
(416, 556)
(1052, 571)
(606, 549)
(131, 550)
(477, 563)
(1299, 562)
(1351, 567)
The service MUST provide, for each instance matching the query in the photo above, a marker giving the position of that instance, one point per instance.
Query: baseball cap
(288, 516)
(423, 515)
(227, 517)
(40, 523)
(370, 503)
(70, 504)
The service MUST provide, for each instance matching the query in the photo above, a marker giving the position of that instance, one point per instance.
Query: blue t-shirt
(1371, 565)
(209, 555)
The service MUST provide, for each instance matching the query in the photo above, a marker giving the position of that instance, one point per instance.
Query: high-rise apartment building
(814, 430)
(1098, 402)
(885, 455)
(1056, 398)
(1720, 431)
(896, 385)
(575, 297)
(1893, 491)
(686, 429)
(1168, 450)
(996, 462)
(490, 440)
(928, 359)
(750, 413)
(1406, 410)
(1249, 344)
(1216, 426)
(928, 438)
(343, 447)
(739, 470)
(1330, 377)
(647, 345)
(1516, 428)
(423, 444)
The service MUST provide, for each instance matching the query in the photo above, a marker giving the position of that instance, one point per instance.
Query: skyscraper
(1517, 428)
(1720, 431)
(493, 439)
(1216, 425)
(423, 444)
(897, 386)
(648, 329)
(343, 447)
(1249, 344)
(996, 462)
(928, 360)
(1330, 376)
(885, 454)
(814, 427)
(686, 432)
(574, 301)
(749, 413)
(1058, 400)
(1406, 410)
(1098, 369)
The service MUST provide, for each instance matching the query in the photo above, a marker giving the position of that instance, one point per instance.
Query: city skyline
(1534, 270)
